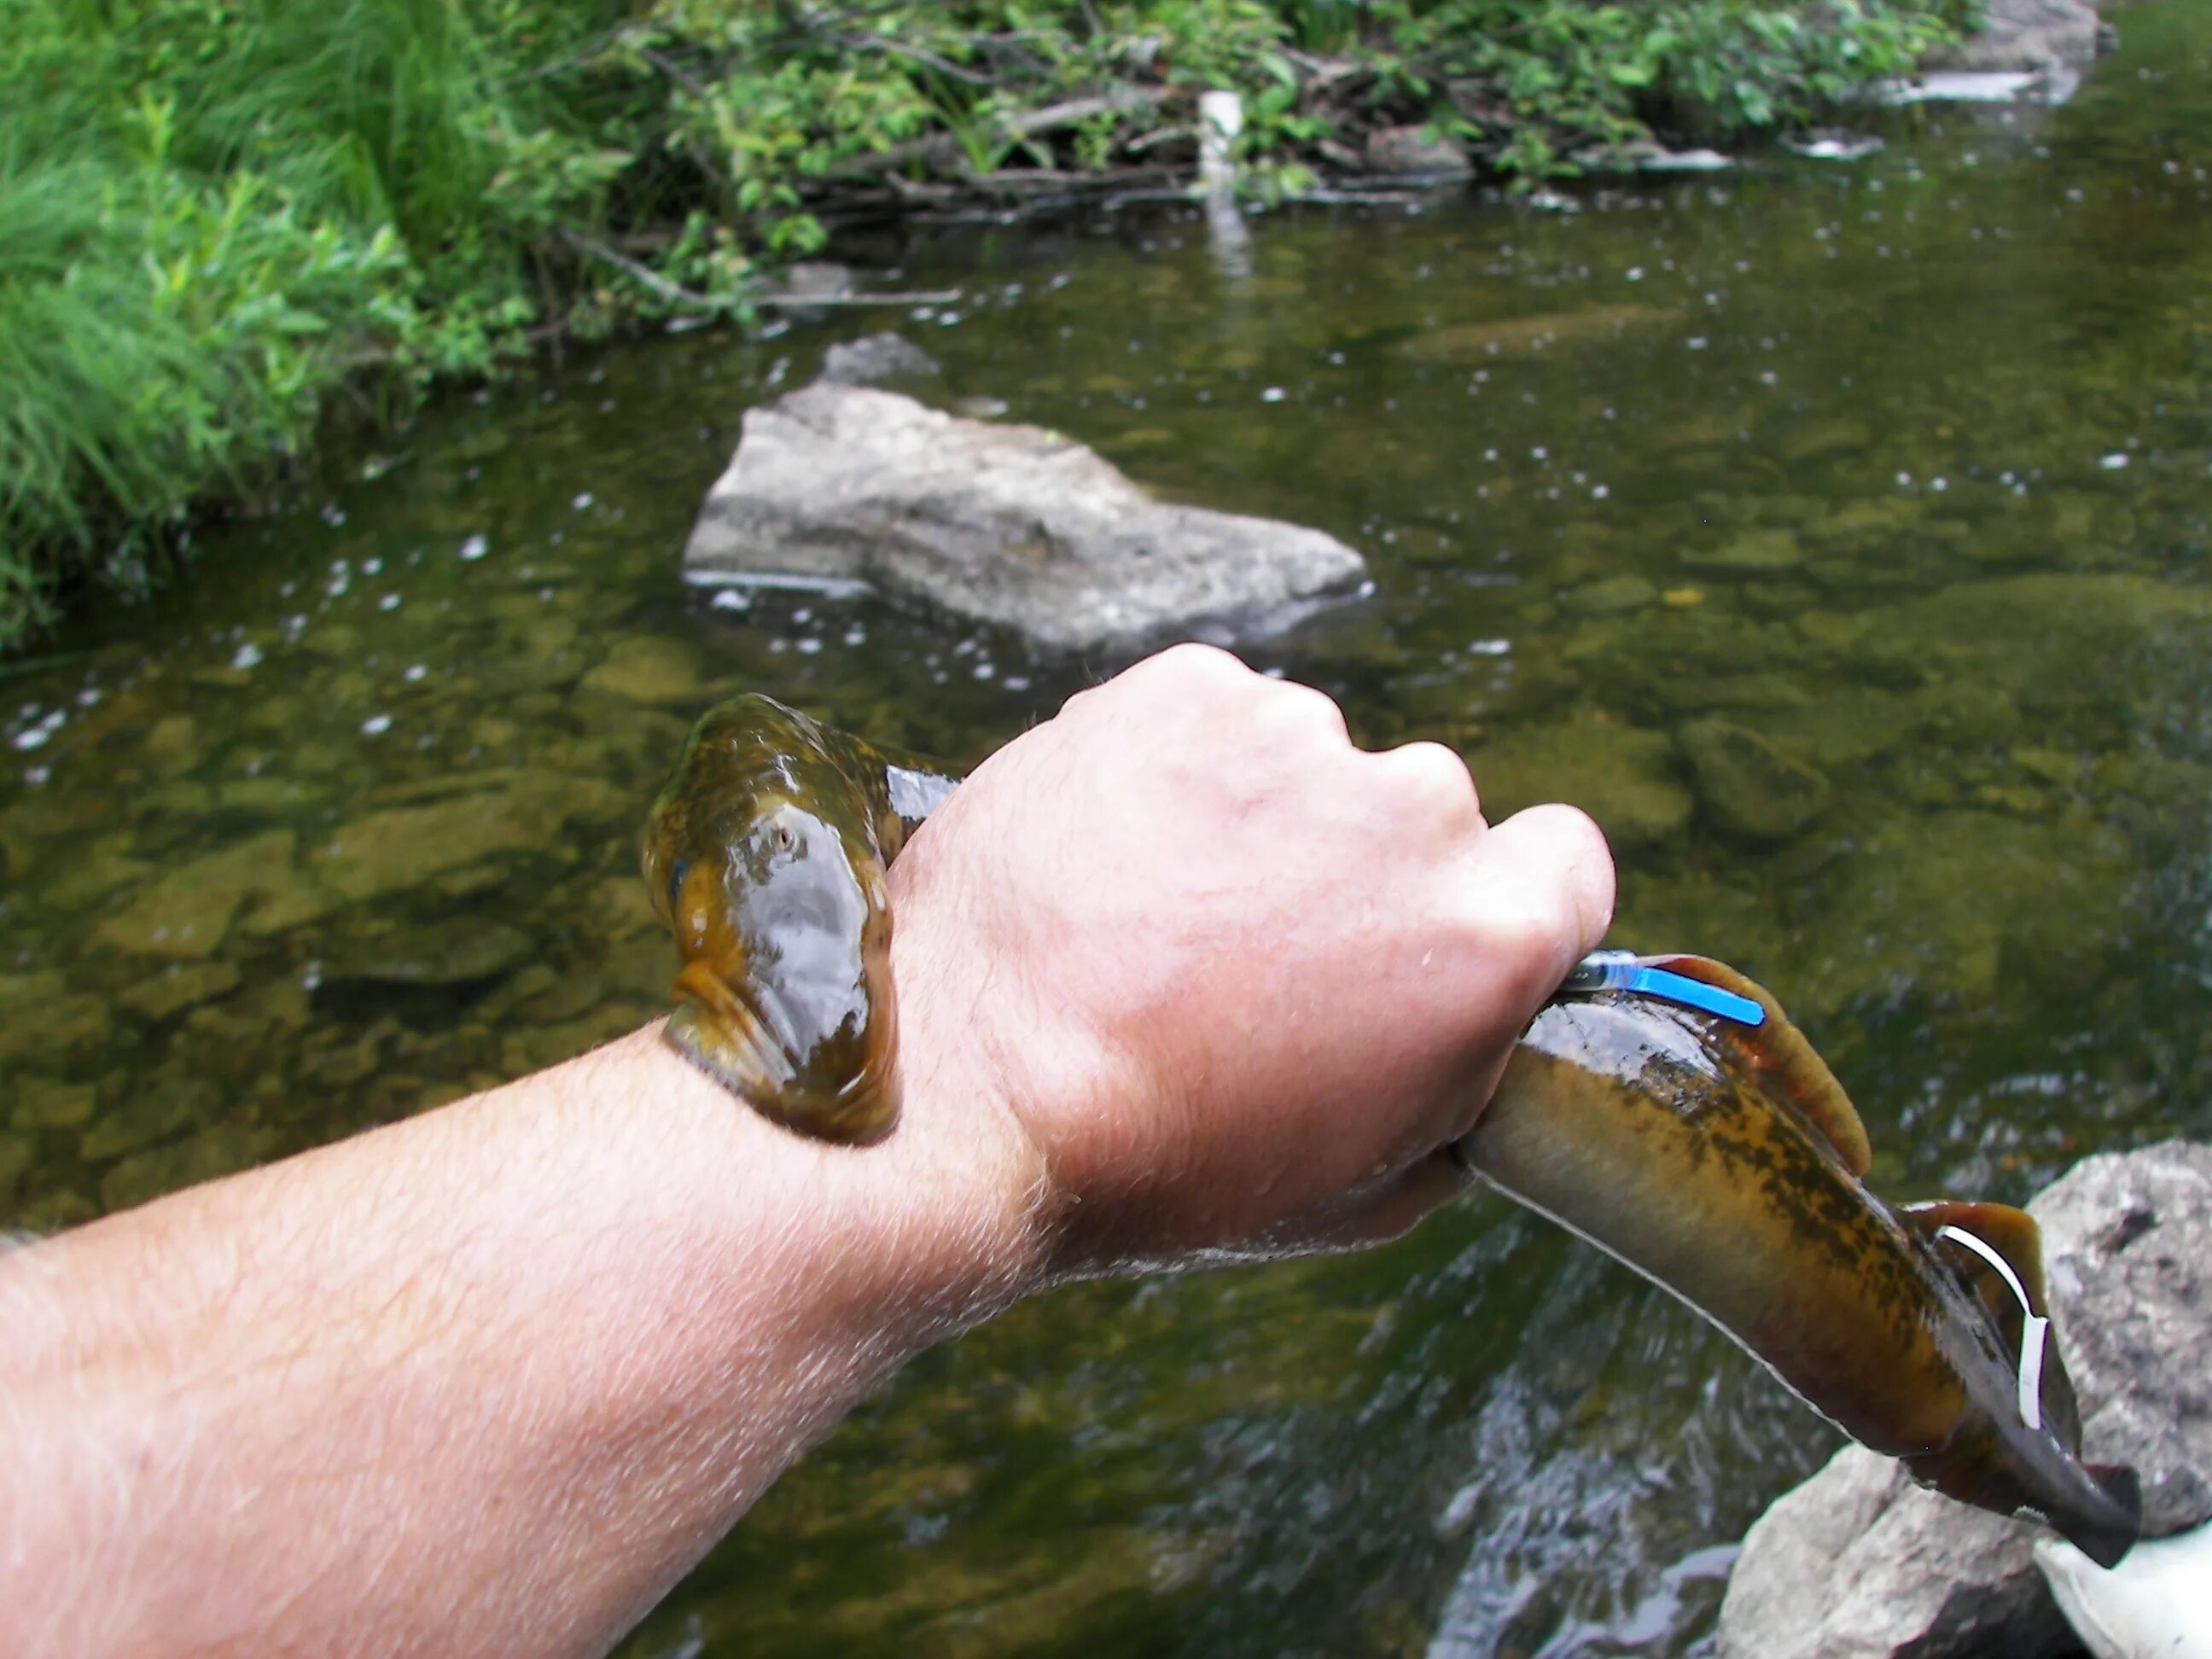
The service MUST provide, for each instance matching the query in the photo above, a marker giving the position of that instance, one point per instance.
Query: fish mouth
(720, 1030)
(716, 1027)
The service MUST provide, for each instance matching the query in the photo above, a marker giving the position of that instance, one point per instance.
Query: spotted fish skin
(1724, 1162)
(765, 854)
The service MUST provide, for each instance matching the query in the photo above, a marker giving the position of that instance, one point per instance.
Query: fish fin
(712, 1026)
(2106, 1539)
(1778, 1049)
(2014, 1234)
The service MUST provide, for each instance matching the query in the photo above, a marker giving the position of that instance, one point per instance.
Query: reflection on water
(1837, 534)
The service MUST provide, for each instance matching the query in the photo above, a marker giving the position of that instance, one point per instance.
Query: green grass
(220, 217)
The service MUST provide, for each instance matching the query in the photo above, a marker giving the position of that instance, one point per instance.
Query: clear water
(1904, 466)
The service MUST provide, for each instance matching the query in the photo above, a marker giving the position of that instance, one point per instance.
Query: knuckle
(1435, 780)
(1196, 664)
(1302, 710)
(1184, 677)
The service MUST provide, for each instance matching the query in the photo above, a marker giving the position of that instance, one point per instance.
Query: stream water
(1904, 467)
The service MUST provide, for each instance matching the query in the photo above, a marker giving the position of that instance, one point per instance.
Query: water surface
(1903, 468)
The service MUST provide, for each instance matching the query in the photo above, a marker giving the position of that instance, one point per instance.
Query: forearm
(1182, 975)
(490, 1378)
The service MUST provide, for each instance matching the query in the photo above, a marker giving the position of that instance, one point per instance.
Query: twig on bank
(1053, 118)
(674, 71)
(583, 54)
(673, 293)
(1158, 136)
(941, 296)
(915, 54)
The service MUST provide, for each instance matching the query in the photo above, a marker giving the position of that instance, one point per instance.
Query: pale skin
(1184, 976)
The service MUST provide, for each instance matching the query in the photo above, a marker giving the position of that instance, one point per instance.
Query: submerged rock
(152, 1110)
(1011, 524)
(399, 847)
(1747, 786)
(44, 1102)
(1858, 1563)
(184, 914)
(1622, 776)
(643, 669)
(1609, 596)
(178, 986)
(456, 951)
(42, 1018)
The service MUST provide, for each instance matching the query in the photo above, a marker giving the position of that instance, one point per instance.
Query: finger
(1543, 894)
(1544, 885)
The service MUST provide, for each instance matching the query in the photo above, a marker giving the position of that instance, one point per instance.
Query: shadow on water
(1836, 535)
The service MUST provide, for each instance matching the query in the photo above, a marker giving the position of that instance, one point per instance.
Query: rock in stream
(1006, 524)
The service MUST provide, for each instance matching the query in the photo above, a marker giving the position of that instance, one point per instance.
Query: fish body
(1695, 1136)
(765, 854)
(1723, 1161)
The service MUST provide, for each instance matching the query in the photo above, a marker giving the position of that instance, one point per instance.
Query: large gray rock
(1011, 524)
(1857, 1562)
(2025, 35)
(2128, 1245)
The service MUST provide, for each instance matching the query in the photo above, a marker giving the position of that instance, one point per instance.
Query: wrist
(892, 1246)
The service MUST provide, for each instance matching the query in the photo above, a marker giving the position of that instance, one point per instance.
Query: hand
(1236, 981)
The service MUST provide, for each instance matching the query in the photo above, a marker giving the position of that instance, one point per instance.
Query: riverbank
(221, 235)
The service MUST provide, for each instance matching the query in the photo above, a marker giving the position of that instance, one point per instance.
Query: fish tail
(2105, 1532)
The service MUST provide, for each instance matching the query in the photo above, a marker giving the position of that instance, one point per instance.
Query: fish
(1664, 1107)
(1694, 1134)
(765, 854)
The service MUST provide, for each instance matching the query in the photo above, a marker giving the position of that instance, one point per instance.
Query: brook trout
(1664, 1107)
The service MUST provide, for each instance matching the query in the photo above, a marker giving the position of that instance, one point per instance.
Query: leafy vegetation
(223, 220)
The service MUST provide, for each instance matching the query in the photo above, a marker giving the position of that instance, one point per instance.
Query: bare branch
(942, 296)
(929, 60)
(672, 292)
(1053, 118)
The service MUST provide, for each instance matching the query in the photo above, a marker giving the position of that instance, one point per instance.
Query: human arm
(1182, 975)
